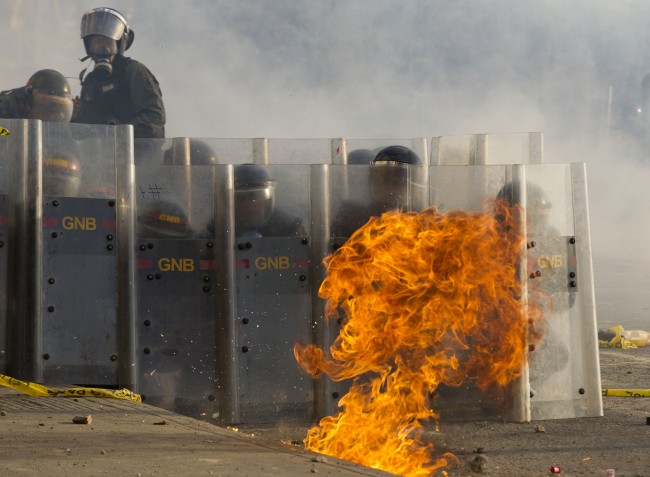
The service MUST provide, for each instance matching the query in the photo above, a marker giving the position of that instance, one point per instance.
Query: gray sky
(388, 69)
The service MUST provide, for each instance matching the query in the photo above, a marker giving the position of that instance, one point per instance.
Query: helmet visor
(254, 206)
(103, 21)
(50, 107)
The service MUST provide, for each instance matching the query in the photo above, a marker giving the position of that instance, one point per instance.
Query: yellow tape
(4, 131)
(627, 392)
(38, 390)
(617, 341)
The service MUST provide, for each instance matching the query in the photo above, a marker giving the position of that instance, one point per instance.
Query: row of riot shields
(187, 270)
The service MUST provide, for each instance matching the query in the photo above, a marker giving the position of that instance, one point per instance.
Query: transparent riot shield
(174, 275)
(564, 370)
(273, 294)
(23, 149)
(464, 198)
(206, 151)
(79, 264)
(5, 152)
(561, 375)
(344, 198)
(481, 149)
(4, 229)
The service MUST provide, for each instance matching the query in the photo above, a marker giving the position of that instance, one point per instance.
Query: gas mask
(102, 50)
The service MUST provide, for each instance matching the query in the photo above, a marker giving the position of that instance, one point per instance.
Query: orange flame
(427, 299)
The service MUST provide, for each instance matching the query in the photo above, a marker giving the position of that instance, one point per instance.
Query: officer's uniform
(281, 224)
(352, 215)
(129, 95)
(10, 103)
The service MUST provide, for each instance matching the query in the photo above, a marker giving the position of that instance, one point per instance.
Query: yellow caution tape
(38, 390)
(627, 392)
(4, 131)
(617, 341)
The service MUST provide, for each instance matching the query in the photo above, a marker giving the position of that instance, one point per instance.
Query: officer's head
(50, 96)
(254, 196)
(200, 154)
(537, 204)
(164, 219)
(105, 33)
(61, 175)
(389, 175)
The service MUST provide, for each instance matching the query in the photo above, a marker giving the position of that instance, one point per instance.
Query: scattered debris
(102, 452)
(3, 413)
(540, 428)
(480, 450)
(160, 423)
(83, 419)
(320, 459)
(478, 464)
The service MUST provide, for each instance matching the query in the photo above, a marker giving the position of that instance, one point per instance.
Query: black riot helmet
(164, 219)
(360, 156)
(201, 154)
(110, 24)
(389, 175)
(397, 155)
(254, 196)
(537, 204)
(51, 99)
(61, 175)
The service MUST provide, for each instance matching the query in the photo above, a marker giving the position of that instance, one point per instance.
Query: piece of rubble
(160, 423)
(83, 419)
(478, 463)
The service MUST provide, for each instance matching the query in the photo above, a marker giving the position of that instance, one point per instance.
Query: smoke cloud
(398, 69)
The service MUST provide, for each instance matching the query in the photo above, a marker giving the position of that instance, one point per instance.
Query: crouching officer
(119, 90)
(46, 97)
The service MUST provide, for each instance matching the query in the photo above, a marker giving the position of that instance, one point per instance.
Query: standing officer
(119, 90)
(46, 97)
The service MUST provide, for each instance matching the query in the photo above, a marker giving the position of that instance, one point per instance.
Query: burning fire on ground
(427, 299)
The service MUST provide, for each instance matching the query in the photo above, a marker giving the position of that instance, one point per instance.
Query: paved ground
(128, 439)
(38, 437)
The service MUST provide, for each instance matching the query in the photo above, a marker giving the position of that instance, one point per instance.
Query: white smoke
(391, 69)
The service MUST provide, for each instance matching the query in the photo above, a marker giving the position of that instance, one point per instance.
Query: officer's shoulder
(134, 65)
(10, 92)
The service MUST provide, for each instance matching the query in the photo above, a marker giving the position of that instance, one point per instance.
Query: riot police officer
(46, 97)
(389, 190)
(548, 270)
(256, 213)
(538, 206)
(119, 90)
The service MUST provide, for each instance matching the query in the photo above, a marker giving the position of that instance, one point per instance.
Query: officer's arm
(146, 100)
